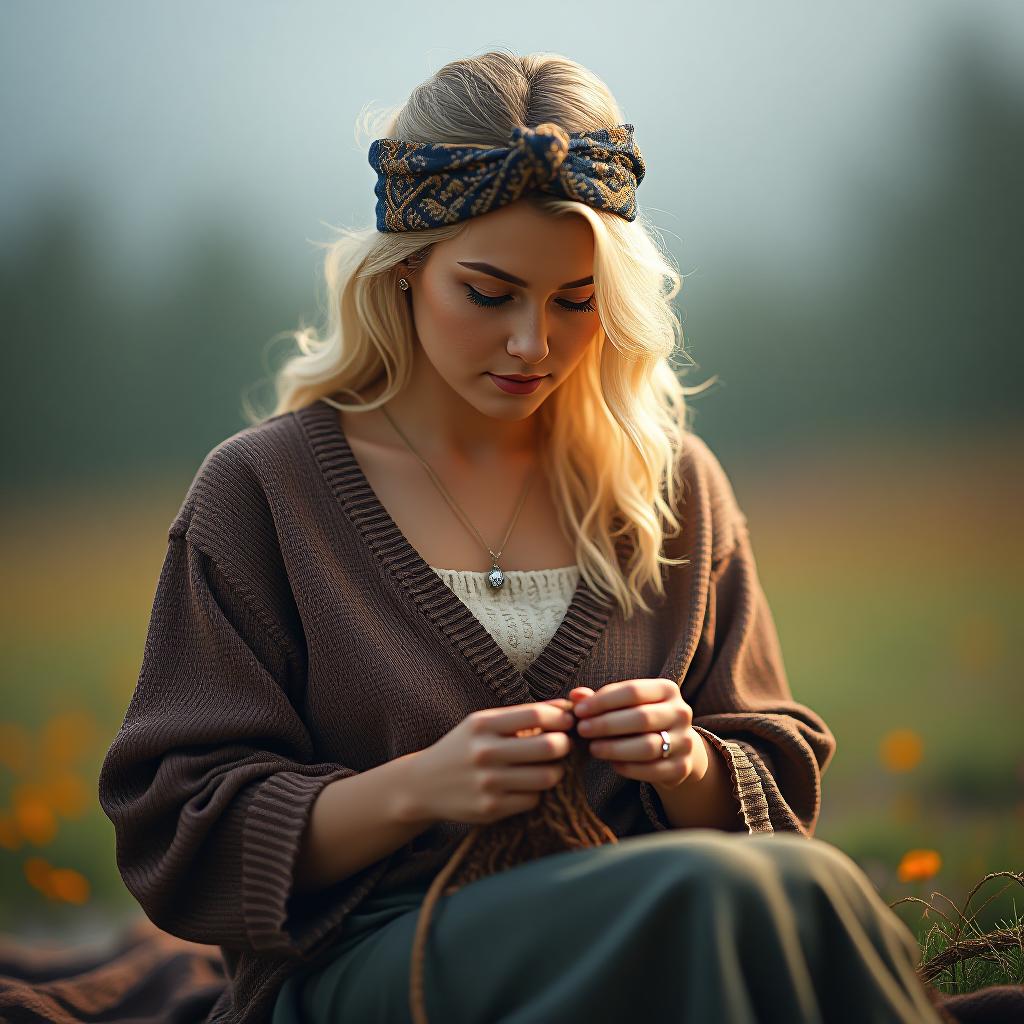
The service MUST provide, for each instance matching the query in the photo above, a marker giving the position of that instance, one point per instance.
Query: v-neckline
(547, 676)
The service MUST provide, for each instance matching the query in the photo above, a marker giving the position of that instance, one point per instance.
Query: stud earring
(403, 284)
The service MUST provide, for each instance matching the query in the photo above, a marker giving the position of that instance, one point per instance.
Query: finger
(537, 717)
(544, 746)
(622, 694)
(653, 772)
(641, 748)
(561, 702)
(564, 721)
(642, 718)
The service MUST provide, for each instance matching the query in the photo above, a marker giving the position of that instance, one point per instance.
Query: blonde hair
(617, 425)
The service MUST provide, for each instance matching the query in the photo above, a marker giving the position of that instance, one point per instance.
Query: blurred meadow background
(842, 190)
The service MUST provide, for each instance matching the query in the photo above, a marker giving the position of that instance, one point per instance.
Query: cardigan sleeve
(210, 781)
(776, 748)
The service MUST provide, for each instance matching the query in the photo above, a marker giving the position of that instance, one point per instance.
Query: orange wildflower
(901, 750)
(919, 865)
(69, 885)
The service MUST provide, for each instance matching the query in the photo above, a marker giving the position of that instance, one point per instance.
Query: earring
(403, 284)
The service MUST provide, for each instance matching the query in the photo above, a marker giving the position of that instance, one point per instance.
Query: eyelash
(483, 300)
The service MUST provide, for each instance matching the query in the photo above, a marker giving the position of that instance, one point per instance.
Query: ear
(414, 262)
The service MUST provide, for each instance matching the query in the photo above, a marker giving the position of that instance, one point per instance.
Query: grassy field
(894, 578)
(895, 581)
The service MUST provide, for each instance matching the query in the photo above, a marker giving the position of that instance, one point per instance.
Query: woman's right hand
(482, 771)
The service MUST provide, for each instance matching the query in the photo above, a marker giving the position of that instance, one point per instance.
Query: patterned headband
(425, 185)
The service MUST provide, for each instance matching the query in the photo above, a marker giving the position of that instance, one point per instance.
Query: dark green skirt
(679, 927)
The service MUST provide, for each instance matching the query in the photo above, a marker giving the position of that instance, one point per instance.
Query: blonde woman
(391, 607)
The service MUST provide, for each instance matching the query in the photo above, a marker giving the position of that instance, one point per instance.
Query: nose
(530, 340)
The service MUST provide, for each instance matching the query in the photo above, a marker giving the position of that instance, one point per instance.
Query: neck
(451, 431)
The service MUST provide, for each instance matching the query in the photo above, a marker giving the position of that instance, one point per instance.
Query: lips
(519, 377)
(512, 386)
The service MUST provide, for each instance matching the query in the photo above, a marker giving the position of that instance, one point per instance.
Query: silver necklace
(495, 577)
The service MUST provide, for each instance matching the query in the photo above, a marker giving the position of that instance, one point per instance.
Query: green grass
(960, 956)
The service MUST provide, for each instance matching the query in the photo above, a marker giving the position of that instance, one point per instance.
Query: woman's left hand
(623, 721)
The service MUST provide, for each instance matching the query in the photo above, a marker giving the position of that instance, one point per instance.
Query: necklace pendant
(495, 577)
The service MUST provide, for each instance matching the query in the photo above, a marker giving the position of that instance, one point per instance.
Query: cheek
(581, 338)
(449, 327)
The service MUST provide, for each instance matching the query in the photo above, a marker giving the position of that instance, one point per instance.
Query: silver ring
(666, 743)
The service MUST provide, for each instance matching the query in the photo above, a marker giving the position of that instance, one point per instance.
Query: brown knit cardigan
(297, 637)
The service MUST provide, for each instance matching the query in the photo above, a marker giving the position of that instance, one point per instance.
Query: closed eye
(499, 300)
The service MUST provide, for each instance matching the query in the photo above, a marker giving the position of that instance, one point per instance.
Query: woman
(389, 610)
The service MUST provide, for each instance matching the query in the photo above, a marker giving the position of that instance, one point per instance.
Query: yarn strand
(562, 820)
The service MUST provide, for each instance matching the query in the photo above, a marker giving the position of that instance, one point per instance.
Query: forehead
(521, 232)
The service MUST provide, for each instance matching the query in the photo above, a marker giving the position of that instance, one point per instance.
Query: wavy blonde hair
(616, 426)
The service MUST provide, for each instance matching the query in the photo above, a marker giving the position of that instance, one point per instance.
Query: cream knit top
(523, 614)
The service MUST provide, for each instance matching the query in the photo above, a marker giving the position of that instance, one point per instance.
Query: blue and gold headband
(425, 185)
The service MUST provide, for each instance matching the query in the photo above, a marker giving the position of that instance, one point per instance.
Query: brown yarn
(562, 820)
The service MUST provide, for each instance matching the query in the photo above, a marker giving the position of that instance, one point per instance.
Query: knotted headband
(429, 184)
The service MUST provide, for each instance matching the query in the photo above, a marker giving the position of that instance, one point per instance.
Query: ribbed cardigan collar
(546, 676)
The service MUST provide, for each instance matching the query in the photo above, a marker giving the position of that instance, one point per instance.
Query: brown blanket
(145, 977)
(150, 977)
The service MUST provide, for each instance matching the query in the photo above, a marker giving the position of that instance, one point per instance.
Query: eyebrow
(504, 275)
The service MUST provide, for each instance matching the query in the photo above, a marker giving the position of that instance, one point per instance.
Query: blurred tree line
(920, 333)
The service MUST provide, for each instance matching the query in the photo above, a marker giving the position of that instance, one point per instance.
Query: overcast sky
(751, 116)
